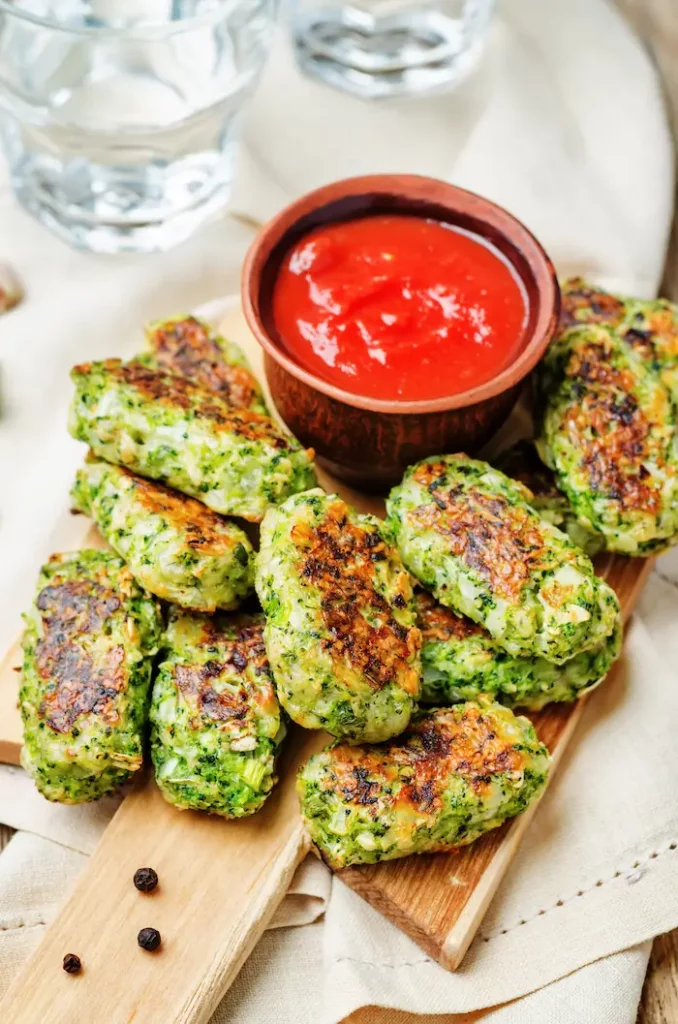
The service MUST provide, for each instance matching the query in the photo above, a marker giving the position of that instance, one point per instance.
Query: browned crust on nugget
(612, 431)
(165, 388)
(439, 623)
(653, 332)
(656, 335)
(338, 558)
(185, 347)
(235, 652)
(456, 741)
(76, 686)
(583, 303)
(501, 542)
(205, 531)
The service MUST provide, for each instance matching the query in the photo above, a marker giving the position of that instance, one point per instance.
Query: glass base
(414, 52)
(107, 209)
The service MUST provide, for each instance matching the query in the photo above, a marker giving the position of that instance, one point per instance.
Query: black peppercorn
(145, 879)
(149, 938)
(72, 963)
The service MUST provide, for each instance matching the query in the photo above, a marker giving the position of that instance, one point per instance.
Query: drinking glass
(382, 48)
(119, 117)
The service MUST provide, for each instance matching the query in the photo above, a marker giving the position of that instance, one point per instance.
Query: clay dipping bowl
(370, 442)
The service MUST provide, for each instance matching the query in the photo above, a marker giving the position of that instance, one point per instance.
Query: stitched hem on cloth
(22, 924)
(629, 871)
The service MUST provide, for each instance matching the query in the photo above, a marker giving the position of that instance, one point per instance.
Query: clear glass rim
(217, 9)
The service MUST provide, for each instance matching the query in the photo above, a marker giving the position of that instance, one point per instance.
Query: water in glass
(118, 117)
(382, 48)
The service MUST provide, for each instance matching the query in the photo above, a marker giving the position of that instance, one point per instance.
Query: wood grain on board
(659, 1001)
(221, 881)
(10, 722)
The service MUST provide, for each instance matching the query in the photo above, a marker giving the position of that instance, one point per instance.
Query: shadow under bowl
(370, 442)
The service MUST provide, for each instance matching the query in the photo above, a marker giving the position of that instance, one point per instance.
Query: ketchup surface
(400, 307)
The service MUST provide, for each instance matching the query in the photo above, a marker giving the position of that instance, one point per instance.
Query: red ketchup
(399, 307)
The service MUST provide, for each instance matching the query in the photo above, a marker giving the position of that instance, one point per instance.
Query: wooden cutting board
(221, 881)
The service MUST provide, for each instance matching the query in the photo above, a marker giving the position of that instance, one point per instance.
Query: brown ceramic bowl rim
(456, 200)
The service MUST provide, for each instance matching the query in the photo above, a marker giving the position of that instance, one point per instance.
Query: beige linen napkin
(540, 129)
